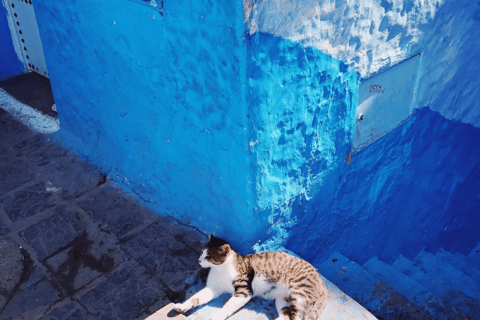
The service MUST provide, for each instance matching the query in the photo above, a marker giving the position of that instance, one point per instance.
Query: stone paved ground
(73, 246)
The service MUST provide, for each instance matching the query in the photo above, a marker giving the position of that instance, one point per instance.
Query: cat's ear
(225, 249)
(210, 236)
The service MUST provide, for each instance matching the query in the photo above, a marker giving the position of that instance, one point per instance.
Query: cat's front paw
(180, 307)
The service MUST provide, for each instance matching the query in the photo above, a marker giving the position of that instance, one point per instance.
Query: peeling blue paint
(303, 102)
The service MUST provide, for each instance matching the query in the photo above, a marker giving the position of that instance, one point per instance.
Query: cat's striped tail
(318, 306)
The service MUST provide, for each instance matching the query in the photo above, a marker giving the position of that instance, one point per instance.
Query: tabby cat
(295, 285)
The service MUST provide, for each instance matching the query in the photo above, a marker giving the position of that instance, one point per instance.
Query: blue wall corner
(303, 105)
(10, 65)
(177, 110)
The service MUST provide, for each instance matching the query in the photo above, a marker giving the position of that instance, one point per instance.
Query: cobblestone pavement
(74, 246)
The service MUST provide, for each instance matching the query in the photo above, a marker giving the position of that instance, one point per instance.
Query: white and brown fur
(295, 285)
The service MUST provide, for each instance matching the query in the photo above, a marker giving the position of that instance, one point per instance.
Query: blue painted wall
(304, 104)
(159, 103)
(246, 136)
(189, 113)
(10, 65)
(417, 187)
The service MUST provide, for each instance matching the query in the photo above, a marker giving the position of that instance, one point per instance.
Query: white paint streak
(30, 117)
(355, 32)
(371, 38)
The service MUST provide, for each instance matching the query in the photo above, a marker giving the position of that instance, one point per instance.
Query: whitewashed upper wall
(372, 35)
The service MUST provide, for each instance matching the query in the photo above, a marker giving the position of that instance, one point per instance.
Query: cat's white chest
(221, 278)
(268, 290)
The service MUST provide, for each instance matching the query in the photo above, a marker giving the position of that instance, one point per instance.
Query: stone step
(374, 294)
(461, 262)
(455, 277)
(339, 306)
(475, 255)
(439, 287)
(412, 290)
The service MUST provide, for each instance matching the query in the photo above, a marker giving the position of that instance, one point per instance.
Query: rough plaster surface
(158, 101)
(373, 35)
(195, 117)
(235, 133)
(303, 107)
(415, 188)
(401, 193)
(367, 35)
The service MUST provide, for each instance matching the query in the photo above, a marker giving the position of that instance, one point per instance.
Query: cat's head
(215, 252)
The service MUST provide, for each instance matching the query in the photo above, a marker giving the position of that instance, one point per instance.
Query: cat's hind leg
(289, 308)
(281, 304)
(202, 297)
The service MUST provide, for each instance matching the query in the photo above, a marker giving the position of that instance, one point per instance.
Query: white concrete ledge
(33, 119)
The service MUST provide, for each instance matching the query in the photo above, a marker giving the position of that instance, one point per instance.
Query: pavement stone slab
(11, 269)
(38, 149)
(191, 237)
(114, 209)
(68, 311)
(124, 294)
(4, 225)
(86, 258)
(4, 229)
(7, 154)
(54, 233)
(71, 177)
(78, 315)
(23, 283)
(13, 175)
(84, 255)
(32, 273)
(28, 201)
(154, 308)
(40, 294)
(11, 130)
(167, 257)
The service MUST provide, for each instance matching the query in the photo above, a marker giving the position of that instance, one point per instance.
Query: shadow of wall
(415, 188)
